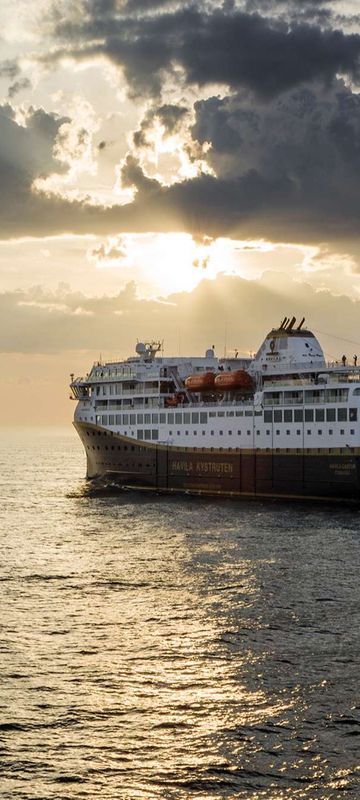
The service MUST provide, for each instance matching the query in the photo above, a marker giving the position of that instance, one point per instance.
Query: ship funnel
(291, 324)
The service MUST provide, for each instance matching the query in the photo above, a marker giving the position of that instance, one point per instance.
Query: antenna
(301, 324)
(225, 339)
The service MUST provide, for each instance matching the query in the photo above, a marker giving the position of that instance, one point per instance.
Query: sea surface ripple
(175, 648)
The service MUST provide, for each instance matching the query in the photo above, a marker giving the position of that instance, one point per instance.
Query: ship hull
(321, 474)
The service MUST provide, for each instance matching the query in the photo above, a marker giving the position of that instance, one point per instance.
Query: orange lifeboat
(200, 383)
(239, 380)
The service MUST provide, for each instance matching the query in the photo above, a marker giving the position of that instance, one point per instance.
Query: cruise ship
(281, 424)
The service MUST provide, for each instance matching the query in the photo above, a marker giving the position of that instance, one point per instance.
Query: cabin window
(186, 418)
(309, 415)
(308, 432)
(221, 413)
(155, 419)
(298, 433)
(155, 434)
(330, 432)
(98, 419)
(356, 391)
(287, 433)
(229, 413)
(267, 433)
(140, 434)
(105, 419)
(267, 416)
(320, 432)
(140, 419)
(132, 419)
(147, 434)
(298, 415)
(352, 431)
(239, 413)
(277, 416)
(330, 415)
(162, 419)
(195, 417)
(258, 413)
(342, 414)
(353, 414)
(342, 432)
(147, 419)
(248, 433)
(248, 413)
(287, 416)
(319, 415)
(125, 419)
(170, 419)
(203, 417)
(111, 419)
(277, 433)
(178, 419)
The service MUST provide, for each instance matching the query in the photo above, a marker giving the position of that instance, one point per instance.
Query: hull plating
(322, 474)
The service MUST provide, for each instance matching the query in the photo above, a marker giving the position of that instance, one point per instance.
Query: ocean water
(172, 648)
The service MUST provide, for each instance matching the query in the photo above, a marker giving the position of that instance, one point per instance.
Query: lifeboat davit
(238, 380)
(200, 383)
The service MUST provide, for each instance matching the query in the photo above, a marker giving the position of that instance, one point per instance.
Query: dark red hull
(322, 474)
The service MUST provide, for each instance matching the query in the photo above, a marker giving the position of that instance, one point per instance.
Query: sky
(182, 171)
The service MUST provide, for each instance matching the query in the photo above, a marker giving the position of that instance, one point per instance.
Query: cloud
(223, 45)
(39, 321)
(9, 68)
(19, 86)
(114, 250)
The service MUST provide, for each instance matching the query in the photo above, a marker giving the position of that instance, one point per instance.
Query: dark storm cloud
(264, 54)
